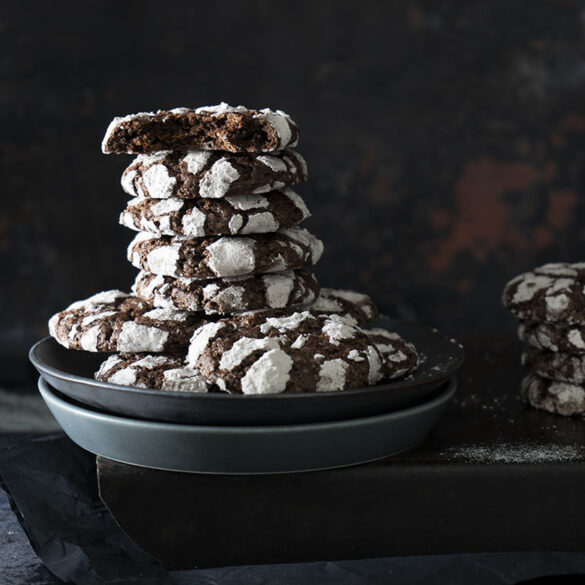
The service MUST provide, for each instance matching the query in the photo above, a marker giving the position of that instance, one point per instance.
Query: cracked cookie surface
(208, 174)
(237, 215)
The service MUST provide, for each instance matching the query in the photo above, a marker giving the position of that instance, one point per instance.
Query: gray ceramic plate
(246, 449)
(71, 373)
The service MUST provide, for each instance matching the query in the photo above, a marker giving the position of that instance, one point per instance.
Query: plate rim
(450, 387)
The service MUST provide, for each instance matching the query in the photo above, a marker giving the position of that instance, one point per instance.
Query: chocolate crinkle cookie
(557, 397)
(551, 293)
(231, 215)
(565, 367)
(399, 356)
(560, 337)
(223, 256)
(203, 173)
(115, 321)
(356, 307)
(256, 354)
(154, 371)
(228, 295)
(222, 127)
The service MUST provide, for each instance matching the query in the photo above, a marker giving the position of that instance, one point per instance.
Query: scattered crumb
(516, 453)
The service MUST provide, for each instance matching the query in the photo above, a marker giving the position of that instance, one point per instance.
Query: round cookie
(556, 397)
(225, 256)
(228, 295)
(559, 337)
(551, 293)
(154, 371)
(203, 173)
(222, 127)
(399, 356)
(565, 367)
(358, 308)
(231, 215)
(115, 321)
(258, 354)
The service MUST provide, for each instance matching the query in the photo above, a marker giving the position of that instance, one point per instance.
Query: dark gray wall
(445, 140)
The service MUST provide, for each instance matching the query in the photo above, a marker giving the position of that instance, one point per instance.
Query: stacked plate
(223, 433)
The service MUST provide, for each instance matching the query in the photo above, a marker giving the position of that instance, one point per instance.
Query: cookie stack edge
(550, 303)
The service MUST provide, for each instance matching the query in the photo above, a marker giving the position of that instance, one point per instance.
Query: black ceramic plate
(247, 449)
(71, 372)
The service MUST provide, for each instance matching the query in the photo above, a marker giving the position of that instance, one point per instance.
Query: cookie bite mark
(223, 127)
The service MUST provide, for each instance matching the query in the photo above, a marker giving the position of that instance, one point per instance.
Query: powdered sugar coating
(332, 375)
(231, 256)
(158, 180)
(217, 181)
(242, 348)
(269, 374)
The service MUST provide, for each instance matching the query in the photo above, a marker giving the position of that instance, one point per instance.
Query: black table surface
(487, 434)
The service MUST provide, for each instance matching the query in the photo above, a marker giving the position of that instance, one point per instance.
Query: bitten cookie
(557, 397)
(560, 337)
(565, 367)
(224, 256)
(157, 371)
(254, 354)
(240, 214)
(552, 293)
(222, 127)
(115, 321)
(203, 173)
(228, 295)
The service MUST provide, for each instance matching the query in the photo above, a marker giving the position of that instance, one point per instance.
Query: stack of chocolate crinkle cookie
(550, 302)
(225, 299)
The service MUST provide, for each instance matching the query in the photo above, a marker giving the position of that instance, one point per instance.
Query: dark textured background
(445, 141)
